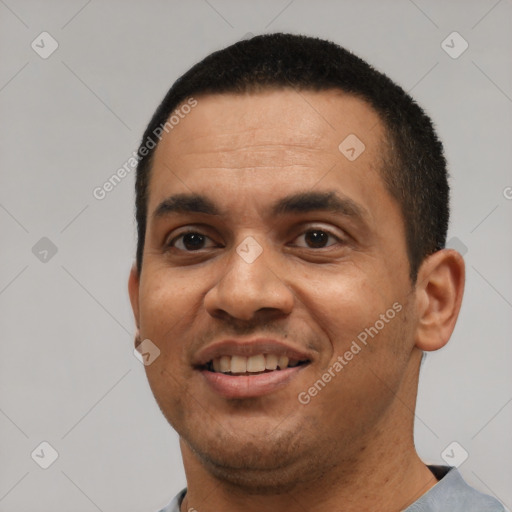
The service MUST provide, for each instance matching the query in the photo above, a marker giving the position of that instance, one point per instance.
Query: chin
(269, 465)
(264, 475)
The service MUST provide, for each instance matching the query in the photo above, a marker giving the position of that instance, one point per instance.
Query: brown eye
(318, 238)
(190, 241)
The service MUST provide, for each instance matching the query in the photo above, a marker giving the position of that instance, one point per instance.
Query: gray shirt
(450, 494)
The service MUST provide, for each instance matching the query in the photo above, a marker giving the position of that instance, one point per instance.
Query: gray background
(67, 372)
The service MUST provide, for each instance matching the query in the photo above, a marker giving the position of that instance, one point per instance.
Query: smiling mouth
(253, 365)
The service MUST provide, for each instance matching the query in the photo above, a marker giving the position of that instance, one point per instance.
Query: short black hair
(414, 166)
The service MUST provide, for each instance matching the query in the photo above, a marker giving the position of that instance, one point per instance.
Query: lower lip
(249, 386)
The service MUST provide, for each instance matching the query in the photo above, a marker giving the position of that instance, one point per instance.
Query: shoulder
(453, 494)
(174, 505)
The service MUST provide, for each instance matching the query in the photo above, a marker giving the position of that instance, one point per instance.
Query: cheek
(344, 303)
(166, 302)
(365, 325)
(365, 322)
(168, 307)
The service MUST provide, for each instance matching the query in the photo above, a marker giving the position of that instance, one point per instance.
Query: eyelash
(197, 232)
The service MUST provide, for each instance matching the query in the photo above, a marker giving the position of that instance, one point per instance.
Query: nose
(248, 288)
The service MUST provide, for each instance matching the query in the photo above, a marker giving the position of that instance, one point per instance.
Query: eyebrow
(302, 202)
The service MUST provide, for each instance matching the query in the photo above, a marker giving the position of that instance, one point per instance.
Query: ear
(133, 290)
(439, 289)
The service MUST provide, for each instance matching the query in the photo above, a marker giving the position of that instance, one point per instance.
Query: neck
(383, 472)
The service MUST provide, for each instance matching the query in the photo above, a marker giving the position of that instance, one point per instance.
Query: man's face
(305, 277)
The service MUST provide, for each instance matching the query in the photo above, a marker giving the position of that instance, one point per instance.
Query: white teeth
(256, 363)
(253, 364)
(271, 363)
(283, 362)
(238, 364)
(225, 364)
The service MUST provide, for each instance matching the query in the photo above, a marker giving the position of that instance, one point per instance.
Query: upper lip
(247, 348)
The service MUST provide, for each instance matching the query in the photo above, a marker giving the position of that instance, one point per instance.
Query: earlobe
(439, 291)
(133, 290)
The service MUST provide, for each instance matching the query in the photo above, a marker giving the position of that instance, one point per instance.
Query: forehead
(244, 155)
(285, 124)
(246, 149)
